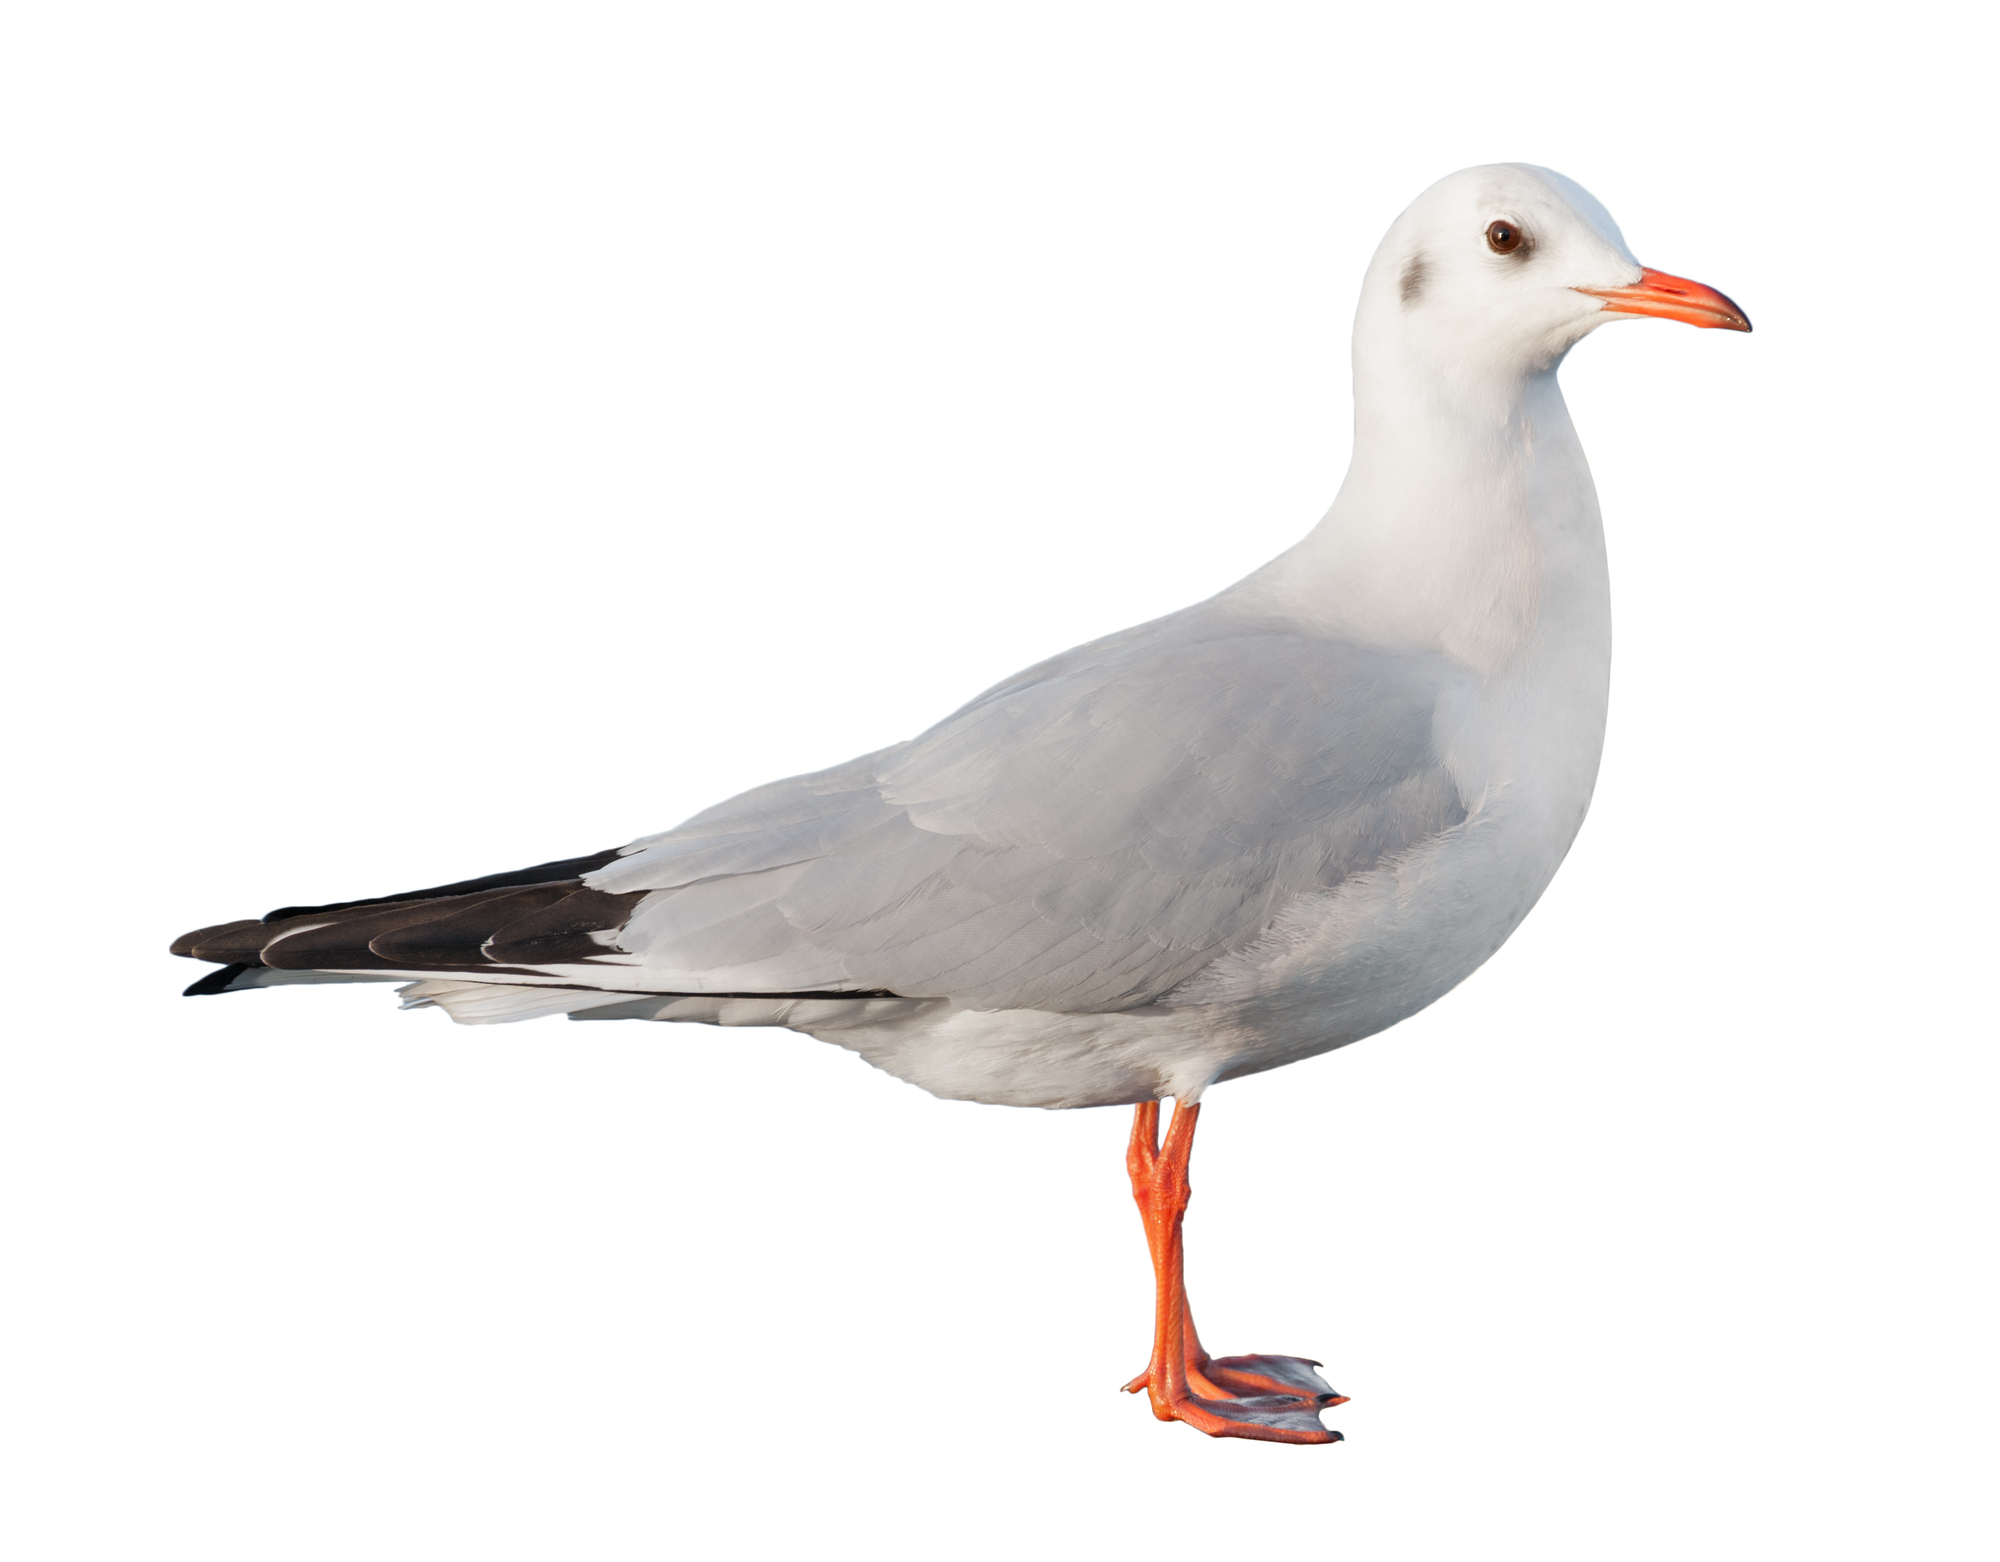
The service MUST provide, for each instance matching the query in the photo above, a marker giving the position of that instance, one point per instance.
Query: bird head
(1498, 271)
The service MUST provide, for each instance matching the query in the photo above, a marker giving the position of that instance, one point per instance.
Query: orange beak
(1672, 298)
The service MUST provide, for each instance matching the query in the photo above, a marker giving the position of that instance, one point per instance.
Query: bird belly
(1031, 1057)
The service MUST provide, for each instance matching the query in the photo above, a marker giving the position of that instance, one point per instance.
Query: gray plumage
(1240, 835)
(1082, 837)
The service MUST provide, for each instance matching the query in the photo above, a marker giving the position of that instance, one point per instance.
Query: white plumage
(1262, 827)
(1254, 830)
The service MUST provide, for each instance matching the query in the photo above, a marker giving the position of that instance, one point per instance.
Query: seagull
(1244, 834)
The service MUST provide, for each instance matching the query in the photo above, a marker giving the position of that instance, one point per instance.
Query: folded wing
(1082, 838)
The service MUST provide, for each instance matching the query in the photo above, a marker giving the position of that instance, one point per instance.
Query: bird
(1249, 832)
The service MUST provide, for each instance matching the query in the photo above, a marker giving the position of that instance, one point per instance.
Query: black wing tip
(216, 981)
(520, 878)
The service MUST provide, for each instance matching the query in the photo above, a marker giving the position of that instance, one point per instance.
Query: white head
(1496, 272)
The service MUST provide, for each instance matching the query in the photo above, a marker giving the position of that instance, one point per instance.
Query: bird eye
(1503, 238)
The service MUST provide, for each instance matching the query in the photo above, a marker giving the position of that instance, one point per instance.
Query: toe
(1274, 1418)
(1247, 1376)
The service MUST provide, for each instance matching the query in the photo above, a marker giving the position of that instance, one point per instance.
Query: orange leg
(1275, 1399)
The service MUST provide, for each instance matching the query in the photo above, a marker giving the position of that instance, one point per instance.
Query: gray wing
(1081, 838)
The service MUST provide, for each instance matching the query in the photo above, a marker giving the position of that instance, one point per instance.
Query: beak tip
(1733, 319)
(1668, 297)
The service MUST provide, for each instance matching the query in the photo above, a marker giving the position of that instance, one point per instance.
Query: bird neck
(1468, 524)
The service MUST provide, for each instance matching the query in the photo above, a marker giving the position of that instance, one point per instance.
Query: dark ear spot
(1414, 272)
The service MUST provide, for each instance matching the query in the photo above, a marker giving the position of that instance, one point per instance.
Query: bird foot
(1272, 1399)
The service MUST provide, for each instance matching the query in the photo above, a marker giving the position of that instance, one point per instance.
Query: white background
(440, 438)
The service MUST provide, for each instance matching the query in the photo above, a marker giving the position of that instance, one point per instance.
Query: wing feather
(1084, 837)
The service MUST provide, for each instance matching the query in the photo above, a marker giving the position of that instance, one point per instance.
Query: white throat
(1468, 526)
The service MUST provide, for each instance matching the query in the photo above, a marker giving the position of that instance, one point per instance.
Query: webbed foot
(1273, 1399)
